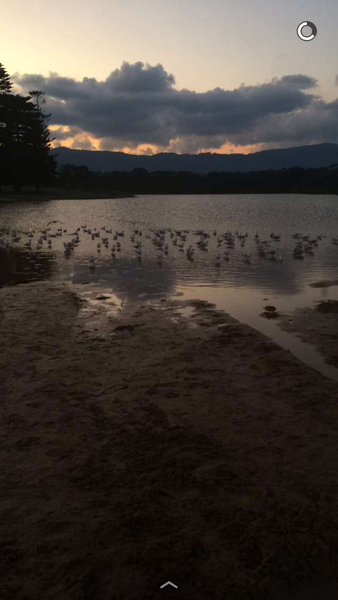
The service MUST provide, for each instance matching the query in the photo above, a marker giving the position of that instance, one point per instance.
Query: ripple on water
(233, 285)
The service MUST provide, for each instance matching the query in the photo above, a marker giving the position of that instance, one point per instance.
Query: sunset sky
(178, 75)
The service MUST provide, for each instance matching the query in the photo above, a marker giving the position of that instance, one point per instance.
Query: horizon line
(194, 154)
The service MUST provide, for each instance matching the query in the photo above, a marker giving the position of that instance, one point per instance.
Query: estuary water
(232, 261)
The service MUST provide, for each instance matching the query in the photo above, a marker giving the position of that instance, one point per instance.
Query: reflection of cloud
(138, 105)
(16, 266)
(129, 278)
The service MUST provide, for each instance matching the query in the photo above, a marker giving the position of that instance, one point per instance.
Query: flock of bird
(225, 242)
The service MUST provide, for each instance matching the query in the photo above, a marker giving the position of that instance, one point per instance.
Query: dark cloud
(300, 82)
(136, 78)
(318, 123)
(138, 104)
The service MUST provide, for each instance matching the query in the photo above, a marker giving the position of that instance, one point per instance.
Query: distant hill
(315, 156)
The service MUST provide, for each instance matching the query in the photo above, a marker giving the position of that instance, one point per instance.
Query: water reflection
(133, 278)
(17, 266)
(247, 306)
(127, 277)
(238, 285)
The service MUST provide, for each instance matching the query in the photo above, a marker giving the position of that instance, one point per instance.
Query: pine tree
(18, 114)
(42, 164)
(5, 89)
(5, 82)
(25, 141)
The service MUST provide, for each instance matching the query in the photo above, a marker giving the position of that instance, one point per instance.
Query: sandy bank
(324, 283)
(141, 445)
(317, 326)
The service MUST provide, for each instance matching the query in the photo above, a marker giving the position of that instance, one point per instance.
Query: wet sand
(140, 445)
(317, 326)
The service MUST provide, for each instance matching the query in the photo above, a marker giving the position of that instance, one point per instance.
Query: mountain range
(314, 156)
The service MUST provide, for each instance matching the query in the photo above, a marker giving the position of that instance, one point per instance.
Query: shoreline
(140, 445)
(60, 194)
(317, 326)
(78, 195)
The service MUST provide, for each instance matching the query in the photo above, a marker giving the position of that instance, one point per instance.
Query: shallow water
(240, 288)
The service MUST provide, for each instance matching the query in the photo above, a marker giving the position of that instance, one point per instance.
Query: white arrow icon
(169, 583)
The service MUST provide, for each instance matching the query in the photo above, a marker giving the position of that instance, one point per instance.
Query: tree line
(25, 141)
(140, 181)
(25, 159)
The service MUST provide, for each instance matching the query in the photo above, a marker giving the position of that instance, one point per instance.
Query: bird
(50, 222)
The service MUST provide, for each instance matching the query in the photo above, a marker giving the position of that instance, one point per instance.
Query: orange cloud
(79, 142)
(232, 149)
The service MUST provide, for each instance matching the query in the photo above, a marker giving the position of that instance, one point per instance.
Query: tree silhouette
(5, 88)
(42, 164)
(5, 82)
(25, 141)
(18, 115)
(288, 181)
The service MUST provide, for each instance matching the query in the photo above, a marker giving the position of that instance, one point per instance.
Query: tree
(14, 111)
(18, 116)
(5, 89)
(5, 82)
(41, 163)
(25, 141)
(74, 176)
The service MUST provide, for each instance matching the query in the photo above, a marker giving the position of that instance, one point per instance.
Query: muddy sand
(142, 445)
(317, 326)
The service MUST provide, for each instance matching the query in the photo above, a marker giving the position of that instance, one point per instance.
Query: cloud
(82, 142)
(138, 105)
(64, 133)
(300, 82)
(318, 123)
(136, 78)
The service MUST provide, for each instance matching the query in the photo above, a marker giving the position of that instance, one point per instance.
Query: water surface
(239, 287)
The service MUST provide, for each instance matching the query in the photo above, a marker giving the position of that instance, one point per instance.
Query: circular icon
(307, 38)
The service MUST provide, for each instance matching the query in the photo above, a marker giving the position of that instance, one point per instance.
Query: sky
(144, 76)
